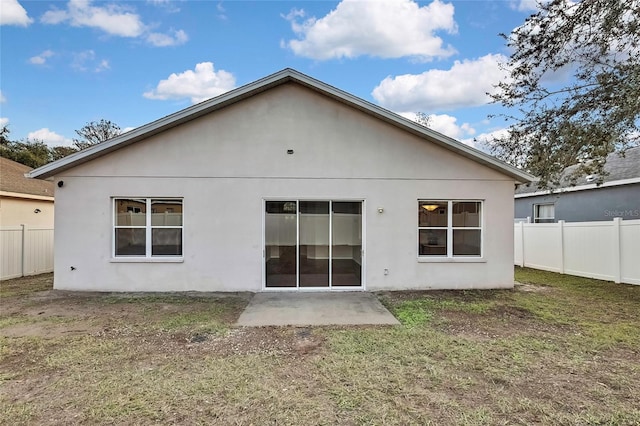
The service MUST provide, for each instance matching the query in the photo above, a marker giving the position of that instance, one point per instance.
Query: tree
(4, 135)
(30, 153)
(423, 119)
(95, 132)
(58, 152)
(597, 112)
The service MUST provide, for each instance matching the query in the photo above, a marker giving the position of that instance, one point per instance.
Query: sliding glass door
(313, 250)
(281, 234)
(313, 244)
(346, 243)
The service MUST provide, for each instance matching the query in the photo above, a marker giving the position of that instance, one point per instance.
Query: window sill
(436, 259)
(146, 260)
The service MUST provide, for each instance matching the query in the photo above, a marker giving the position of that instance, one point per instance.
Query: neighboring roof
(282, 77)
(13, 180)
(619, 170)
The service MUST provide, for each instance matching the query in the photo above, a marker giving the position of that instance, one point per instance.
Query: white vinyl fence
(25, 251)
(604, 250)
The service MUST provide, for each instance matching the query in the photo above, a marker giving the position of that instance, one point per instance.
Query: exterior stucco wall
(588, 205)
(224, 165)
(21, 211)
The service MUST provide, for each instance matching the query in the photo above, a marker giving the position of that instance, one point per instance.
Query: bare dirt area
(554, 350)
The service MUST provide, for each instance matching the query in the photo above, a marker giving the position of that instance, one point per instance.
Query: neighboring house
(282, 184)
(24, 201)
(617, 196)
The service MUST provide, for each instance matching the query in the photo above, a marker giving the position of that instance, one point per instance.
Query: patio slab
(314, 308)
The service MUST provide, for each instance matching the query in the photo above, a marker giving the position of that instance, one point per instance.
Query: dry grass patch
(556, 350)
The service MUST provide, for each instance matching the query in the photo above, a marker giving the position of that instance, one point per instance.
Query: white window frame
(537, 219)
(148, 257)
(450, 229)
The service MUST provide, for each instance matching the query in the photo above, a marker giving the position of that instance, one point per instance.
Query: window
(449, 228)
(147, 227)
(544, 213)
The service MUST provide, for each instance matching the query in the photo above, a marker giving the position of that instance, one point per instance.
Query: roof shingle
(617, 168)
(12, 179)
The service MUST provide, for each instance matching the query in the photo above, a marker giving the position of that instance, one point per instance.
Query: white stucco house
(286, 183)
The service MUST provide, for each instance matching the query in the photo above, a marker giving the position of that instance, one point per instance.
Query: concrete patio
(314, 308)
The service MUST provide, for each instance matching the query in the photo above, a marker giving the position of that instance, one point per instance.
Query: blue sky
(65, 63)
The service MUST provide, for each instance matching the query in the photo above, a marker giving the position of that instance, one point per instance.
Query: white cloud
(201, 84)
(4, 121)
(88, 61)
(221, 12)
(12, 13)
(3, 99)
(114, 19)
(103, 65)
(525, 5)
(49, 137)
(465, 84)
(168, 5)
(41, 59)
(447, 125)
(386, 29)
(163, 40)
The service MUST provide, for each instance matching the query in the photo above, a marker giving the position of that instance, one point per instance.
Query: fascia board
(580, 188)
(22, 195)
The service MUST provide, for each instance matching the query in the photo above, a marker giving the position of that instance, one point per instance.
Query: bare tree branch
(96, 132)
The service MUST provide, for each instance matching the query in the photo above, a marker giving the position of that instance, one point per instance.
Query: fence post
(561, 230)
(522, 262)
(617, 268)
(23, 255)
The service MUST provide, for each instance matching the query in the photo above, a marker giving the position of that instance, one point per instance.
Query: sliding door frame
(361, 287)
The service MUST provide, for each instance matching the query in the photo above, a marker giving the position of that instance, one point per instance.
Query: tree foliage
(35, 153)
(95, 132)
(4, 135)
(30, 153)
(423, 119)
(595, 46)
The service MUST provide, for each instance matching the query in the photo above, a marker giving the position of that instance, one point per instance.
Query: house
(285, 183)
(24, 201)
(617, 196)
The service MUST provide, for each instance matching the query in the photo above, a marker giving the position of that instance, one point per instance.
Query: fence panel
(10, 252)
(630, 251)
(589, 250)
(25, 251)
(38, 251)
(542, 248)
(603, 250)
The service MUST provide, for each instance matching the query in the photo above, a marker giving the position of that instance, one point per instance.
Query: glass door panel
(313, 237)
(346, 248)
(280, 243)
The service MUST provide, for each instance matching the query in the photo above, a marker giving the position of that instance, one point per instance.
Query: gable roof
(620, 171)
(14, 183)
(282, 77)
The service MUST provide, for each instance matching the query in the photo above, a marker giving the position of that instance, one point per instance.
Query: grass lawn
(556, 350)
